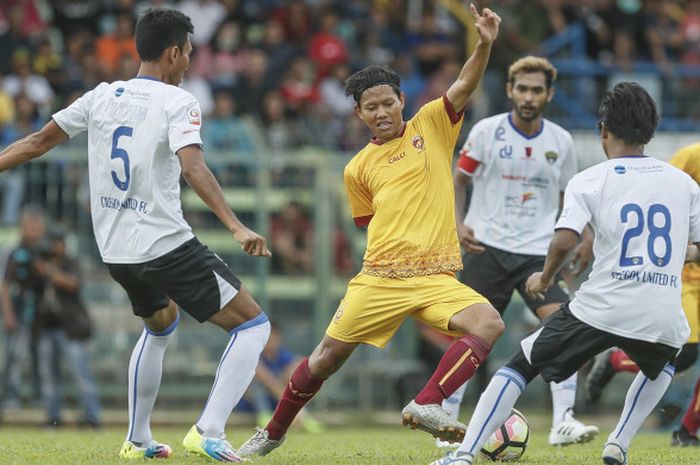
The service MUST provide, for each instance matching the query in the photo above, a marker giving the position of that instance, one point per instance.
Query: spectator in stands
(662, 33)
(112, 47)
(292, 236)
(253, 83)
(24, 81)
(295, 18)
(429, 44)
(48, 63)
(224, 57)
(13, 39)
(298, 88)
(13, 183)
(206, 16)
(279, 52)
(21, 290)
(7, 109)
(278, 129)
(224, 131)
(65, 329)
(326, 49)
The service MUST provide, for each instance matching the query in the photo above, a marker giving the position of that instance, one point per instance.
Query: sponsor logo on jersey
(500, 134)
(551, 156)
(118, 92)
(396, 158)
(194, 117)
(418, 142)
(619, 169)
(506, 152)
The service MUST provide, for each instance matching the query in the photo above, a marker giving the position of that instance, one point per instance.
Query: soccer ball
(508, 442)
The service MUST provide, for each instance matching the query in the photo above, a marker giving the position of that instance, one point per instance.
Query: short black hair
(373, 75)
(159, 29)
(629, 113)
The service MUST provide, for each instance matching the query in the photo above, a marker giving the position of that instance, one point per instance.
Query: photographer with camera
(22, 289)
(65, 328)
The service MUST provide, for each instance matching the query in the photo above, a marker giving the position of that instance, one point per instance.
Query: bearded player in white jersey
(643, 213)
(142, 135)
(519, 164)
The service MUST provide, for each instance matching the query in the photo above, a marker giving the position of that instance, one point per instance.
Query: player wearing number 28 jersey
(643, 213)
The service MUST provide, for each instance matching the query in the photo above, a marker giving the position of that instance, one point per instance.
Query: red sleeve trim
(467, 164)
(363, 221)
(454, 115)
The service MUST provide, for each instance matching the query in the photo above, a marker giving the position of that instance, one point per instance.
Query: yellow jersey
(402, 190)
(688, 159)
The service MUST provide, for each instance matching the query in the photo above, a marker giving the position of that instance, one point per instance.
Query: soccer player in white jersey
(142, 135)
(519, 164)
(643, 213)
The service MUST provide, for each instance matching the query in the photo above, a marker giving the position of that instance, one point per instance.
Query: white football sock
(493, 408)
(454, 402)
(563, 398)
(642, 397)
(235, 372)
(145, 372)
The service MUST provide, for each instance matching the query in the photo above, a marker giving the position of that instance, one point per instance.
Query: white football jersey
(517, 182)
(134, 129)
(643, 213)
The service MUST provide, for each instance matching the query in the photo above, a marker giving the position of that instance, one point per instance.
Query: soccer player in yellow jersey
(688, 159)
(400, 187)
(616, 360)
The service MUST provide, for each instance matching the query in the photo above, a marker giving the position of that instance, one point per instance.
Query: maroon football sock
(621, 362)
(457, 365)
(691, 419)
(301, 388)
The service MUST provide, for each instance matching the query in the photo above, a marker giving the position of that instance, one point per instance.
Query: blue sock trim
(634, 404)
(234, 336)
(669, 370)
(167, 330)
(136, 383)
(493, 410)
(257, 321)
(514, 376)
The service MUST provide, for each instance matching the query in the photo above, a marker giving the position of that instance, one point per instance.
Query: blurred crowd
(280, 65)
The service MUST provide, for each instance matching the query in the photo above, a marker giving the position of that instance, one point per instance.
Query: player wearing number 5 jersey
(643, 213)
(142, 135)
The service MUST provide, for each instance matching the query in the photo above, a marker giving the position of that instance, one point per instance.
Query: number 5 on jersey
(117, 152)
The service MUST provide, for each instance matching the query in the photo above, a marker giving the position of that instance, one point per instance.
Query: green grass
(358, 446)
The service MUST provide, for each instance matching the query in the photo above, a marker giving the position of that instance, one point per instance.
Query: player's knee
(324, 361)
(687, 357)
(491, 326)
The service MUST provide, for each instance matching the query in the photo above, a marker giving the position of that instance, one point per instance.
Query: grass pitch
(357, 446)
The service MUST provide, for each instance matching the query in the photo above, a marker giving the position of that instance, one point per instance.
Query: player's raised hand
(535, 287)
(467, 239)
(252, 243)
(487, 24)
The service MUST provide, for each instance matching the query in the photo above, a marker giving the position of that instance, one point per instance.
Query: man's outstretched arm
(34, 145)
(198, 175)
(487, 24)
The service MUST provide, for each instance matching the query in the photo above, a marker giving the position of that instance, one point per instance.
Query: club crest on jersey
(619, 169)
(418, 142)
(551, 157)
(339, 313)
(118, 92)
(528, 152)
(194, 117)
